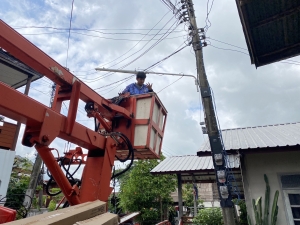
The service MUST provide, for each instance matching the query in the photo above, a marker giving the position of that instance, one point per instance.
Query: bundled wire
(71, 179)
(130, 153)
(228, 166)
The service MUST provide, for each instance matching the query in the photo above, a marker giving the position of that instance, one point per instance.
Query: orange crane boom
(121, 124)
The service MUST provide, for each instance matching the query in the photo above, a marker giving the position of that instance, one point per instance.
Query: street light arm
(150, 72)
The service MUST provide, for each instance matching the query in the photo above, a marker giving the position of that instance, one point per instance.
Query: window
(291, 194)
(292, 201)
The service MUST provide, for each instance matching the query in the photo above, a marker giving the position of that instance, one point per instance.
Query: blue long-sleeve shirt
(134, 89)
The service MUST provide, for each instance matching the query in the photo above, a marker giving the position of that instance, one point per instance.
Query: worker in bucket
(139, 87)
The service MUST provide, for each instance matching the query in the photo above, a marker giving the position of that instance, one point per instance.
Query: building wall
(6, 163)
(254, 166)
(208, 192)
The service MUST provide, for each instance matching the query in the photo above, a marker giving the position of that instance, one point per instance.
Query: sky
(124, 34)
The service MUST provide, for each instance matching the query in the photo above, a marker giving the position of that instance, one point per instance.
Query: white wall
(6, 163)
(271, 164)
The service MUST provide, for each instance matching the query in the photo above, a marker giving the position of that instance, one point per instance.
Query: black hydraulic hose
(131, 153)
(68, 175)
(96, 126)
(48, 187)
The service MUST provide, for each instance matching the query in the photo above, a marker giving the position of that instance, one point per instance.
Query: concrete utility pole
(213, 132)
(35, 174)
(36, 170)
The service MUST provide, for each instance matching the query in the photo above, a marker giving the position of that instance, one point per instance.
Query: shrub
(52, 206)
(209, 216)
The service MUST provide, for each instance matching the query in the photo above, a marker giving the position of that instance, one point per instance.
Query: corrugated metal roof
(279, 135)
(191, 163)
(271, 29)
(15, 73)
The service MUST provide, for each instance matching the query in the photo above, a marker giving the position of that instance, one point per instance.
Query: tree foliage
(243, 211)
(188, 195)
(143, 192)
(55, 199)
(18, 184)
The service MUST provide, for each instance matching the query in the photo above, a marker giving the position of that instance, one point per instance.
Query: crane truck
(126, 127)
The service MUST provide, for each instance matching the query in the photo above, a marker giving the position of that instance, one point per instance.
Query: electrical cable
(226, 158)
(68, 175)
(160, 61)
(207, 14)
(24, 27)
(152, 46)
(133, 46)
(69, 33)
(101, 37)
(130, 77)
(227, 43)
(112, 83)
(130, 153)
(170, 84)
(286, 61)
(201, 106)
(229, 49)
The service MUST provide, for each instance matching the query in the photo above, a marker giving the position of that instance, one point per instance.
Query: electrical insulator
(201, 30)
(204, 130)
(221, 174)
(219, 159)
(202, 37)
(224, 191)
(202, 123)
(204, 44)
(183, 6)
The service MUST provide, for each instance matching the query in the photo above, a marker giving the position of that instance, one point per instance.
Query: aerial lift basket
(146, 129)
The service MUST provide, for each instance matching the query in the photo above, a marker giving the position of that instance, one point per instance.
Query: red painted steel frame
(21, 48)
(43, 124)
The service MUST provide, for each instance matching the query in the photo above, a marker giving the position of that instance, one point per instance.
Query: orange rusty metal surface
(44, 124)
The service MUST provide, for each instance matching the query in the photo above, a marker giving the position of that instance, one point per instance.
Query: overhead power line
(139, 56)
(63, 30)
(69, 33)
(226, 43)
(207, 26)
(23, 27)
(107, 38)
(160, 61)
(169, 85)
(227, 49)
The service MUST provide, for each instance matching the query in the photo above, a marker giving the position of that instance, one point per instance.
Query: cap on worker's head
(141, 75)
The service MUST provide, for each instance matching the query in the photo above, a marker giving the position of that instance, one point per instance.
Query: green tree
(188, 196)
(18, 184)
(243, 211)
(143, 192)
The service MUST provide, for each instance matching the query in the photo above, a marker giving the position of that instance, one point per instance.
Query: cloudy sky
(135, 34)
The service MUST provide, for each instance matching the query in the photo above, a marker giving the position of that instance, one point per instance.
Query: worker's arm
(127, 89)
